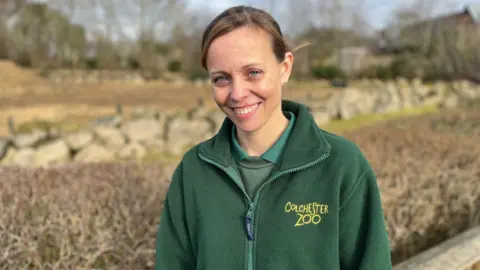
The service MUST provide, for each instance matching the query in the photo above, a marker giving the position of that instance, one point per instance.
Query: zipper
(249, 222)
(250, 216)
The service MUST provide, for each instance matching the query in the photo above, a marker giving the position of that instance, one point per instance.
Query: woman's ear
(287, 67)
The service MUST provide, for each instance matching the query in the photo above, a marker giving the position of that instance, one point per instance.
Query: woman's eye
(254, 72)
(219, 79)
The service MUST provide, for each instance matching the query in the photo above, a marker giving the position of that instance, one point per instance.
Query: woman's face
(246, 77)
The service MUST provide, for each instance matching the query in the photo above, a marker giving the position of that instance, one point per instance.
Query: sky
(379, 11)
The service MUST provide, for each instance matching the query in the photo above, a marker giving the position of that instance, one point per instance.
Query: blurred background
(100, 99)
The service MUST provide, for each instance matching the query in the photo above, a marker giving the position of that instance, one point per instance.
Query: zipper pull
(248, 224)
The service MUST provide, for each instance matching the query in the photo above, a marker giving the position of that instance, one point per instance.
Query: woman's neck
(258, 142)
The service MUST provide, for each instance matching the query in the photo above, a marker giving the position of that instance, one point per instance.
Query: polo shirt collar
(273, 154)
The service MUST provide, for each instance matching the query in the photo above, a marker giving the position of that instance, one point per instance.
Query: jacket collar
(305, 144)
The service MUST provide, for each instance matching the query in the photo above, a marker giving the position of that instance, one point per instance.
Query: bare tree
(440, 40)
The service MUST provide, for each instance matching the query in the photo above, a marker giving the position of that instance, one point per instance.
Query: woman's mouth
(245, 112)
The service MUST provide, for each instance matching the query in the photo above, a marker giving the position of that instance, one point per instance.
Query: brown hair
(239, 16)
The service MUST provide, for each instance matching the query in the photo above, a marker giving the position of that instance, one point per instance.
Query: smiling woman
(247, 80)
(271, 190)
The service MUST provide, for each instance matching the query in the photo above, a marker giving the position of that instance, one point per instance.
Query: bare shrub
(429, 180)
(92, 216)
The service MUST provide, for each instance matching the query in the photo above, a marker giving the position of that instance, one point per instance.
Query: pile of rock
(378, 97)
(111, 138)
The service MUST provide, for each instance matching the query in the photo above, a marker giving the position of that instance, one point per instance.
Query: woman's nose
(239, 90)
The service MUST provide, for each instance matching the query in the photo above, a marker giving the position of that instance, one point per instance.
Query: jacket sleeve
(364, 243)
(173, 247)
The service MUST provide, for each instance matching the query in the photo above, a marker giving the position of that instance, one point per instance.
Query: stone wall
(462, 252)
(80, 76)
(367, 97)
(147, 130)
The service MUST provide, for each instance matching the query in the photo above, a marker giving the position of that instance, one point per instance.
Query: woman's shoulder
(340, 142)
(345, 152)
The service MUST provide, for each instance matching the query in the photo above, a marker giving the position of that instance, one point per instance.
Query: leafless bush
(105, 216)
(429, 181)
(91, 216)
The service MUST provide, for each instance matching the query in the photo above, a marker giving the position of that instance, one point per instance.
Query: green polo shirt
(255, 170)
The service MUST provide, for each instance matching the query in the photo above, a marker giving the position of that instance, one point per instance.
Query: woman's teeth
(246, 110)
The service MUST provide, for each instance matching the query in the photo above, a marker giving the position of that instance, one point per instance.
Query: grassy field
(339, 126)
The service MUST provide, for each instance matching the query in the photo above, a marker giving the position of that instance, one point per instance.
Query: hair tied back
(304, 44)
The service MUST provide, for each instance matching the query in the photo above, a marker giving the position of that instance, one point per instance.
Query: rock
(183, 133)
(54, 133)
(217, 118)
(403, 83)
(142, 129)
(466, 90)
(332, 105)
(145, 112)
(179, 146)
(354, 102)
(451, 101)
(24, 157)
(192, 129)
(94, 153)
(395, 99)
(388, 100)
(419, 89)
(198, 113)
(406, 93)
(52, 153)
(79, 139)
(133, 150)
(9, 157)
(111, 137)
(108, 121)
(156, 145)
(378, 83)
(30, 139)
(436, 95)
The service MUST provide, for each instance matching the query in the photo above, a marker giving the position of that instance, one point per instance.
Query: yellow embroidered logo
(310, 213)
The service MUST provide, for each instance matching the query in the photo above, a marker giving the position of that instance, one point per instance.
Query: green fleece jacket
(319, 209)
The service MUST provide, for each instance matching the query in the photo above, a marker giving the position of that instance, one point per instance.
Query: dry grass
(15, 81)
(105, 216)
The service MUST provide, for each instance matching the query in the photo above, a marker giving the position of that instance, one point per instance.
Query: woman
(270, 190)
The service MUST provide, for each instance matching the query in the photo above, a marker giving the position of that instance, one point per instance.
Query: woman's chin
(247, 126)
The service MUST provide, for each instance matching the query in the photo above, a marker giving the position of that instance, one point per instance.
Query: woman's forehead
(244, 46)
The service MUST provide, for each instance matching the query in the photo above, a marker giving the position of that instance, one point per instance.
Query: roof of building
(474, 11)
